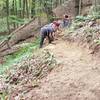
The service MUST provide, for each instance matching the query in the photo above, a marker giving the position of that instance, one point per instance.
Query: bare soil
(76, 78)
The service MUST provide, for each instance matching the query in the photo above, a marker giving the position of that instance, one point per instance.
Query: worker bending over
(48, 31)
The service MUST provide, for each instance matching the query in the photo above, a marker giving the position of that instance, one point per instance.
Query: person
(65, 22)
(48, 31)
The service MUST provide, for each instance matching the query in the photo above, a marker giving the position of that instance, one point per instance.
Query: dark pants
(52, 36)
(65, 23)
(45, 33)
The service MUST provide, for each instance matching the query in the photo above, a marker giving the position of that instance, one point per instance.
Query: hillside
(76, 78)
(66, 69)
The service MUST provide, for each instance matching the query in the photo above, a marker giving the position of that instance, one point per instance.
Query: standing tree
(80, 6)
(7, 8)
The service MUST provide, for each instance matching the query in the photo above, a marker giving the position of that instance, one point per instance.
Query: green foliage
(93, 15)
(26, 51)
(12, 19)
(17, 20)
(79, 22)
(3, 37)
(81, 18)
(97, 41)
(94, 10)
(4, 96)
(20, 13)
(3, 25)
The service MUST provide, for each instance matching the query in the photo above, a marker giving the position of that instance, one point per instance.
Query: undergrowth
(26, 51)
(79, 21)
(12, 20)
(3, 37)
(4, 96)
(3, 25)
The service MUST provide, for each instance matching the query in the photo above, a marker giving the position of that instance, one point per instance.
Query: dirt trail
(77, 77)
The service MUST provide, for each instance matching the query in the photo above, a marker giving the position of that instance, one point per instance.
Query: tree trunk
(80, 6)
(14, 25)
(27, 9)
(7, 5)
(20, 5)
(23, 8)
(33, 9)
(16, 11)
(25, 31)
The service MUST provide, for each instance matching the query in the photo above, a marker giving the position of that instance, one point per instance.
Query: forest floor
(77, 77)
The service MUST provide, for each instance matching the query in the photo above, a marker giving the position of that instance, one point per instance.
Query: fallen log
(22, 33)
(9, 51)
